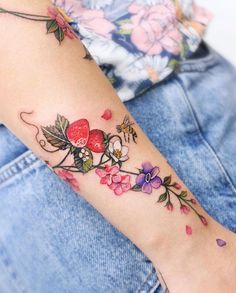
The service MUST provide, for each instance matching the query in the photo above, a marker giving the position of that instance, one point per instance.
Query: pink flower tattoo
(115, 181)
(87, 149)
(69, 178)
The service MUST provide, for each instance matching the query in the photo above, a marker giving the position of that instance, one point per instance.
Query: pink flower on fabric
(68, 178)
(201, 15)
(111, 177)
(91, 19)
(153, 28)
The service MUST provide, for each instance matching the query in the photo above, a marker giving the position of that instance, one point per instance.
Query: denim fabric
(51, 240)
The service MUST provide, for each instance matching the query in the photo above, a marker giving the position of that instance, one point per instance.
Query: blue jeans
(52, 240)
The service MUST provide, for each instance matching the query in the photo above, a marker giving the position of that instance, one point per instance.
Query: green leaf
(167, 180)
(162, 197)
(87, 165)
(55, 137)
(87, 56)
(105, 138)
(183, 194)
(184, 48)
(61, 124)
(124, 32)
(83, 166)
(52, 26)
(59, 34)
(136, 187)
(123, 21)
(113, 162)
(173, 63)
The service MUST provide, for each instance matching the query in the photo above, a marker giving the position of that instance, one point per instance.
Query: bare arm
(53, 98)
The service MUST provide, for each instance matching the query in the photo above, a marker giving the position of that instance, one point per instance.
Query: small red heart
(96, 141)
(107, 114)
(189, 230)
(78, 133)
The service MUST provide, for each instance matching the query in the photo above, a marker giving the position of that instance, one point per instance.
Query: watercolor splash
(189, 230)
(107, 115)
(221, 242)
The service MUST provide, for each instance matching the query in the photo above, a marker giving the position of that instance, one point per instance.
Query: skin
(49, 79)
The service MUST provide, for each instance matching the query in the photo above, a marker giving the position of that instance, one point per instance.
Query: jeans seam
(200, 64)
(149, 277)
(10, 270)
(15, 162)
(208, 146)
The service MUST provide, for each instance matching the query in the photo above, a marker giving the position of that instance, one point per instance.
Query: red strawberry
(78, 133)
(96, 141)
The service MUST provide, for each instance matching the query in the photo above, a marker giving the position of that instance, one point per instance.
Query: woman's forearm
(58, 102)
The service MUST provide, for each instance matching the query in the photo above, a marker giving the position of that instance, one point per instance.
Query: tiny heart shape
(96, 141)
(220, 242)
(78, 133)
(188, 230)
(107, 115)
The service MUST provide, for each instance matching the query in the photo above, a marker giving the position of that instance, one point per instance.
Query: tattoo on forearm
(57, 23)
(126, 128)
(107, 153)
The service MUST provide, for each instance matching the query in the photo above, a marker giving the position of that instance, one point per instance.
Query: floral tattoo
(57, 23)
(106, 153)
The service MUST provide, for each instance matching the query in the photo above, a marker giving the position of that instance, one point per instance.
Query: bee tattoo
(127, 129)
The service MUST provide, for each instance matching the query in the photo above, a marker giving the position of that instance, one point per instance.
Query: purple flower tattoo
(87, 149)
(148, 179)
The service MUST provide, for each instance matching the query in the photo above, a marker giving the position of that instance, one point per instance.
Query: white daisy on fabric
(109, 53)
(152, 2)
(186, 7)
(96, 4)
(117, 151)
(126, 92)
(156, 67)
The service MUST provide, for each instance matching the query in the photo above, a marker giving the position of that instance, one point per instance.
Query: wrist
(191, 263)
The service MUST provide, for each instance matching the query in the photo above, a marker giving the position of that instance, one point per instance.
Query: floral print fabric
(137, 43)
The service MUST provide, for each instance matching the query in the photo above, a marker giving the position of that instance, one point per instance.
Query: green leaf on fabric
(124, 32)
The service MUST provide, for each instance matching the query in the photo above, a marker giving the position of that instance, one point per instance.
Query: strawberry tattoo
(96, 141)
(78, 133)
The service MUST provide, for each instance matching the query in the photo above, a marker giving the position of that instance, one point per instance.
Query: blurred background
(221, 33)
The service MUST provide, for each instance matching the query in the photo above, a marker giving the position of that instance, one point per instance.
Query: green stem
(128, 172)
(187, 203)
(168, 195)
(62, 161)
(25, 14)
(24, 17)
(99, 165)
(68, 168)
(184, 200)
